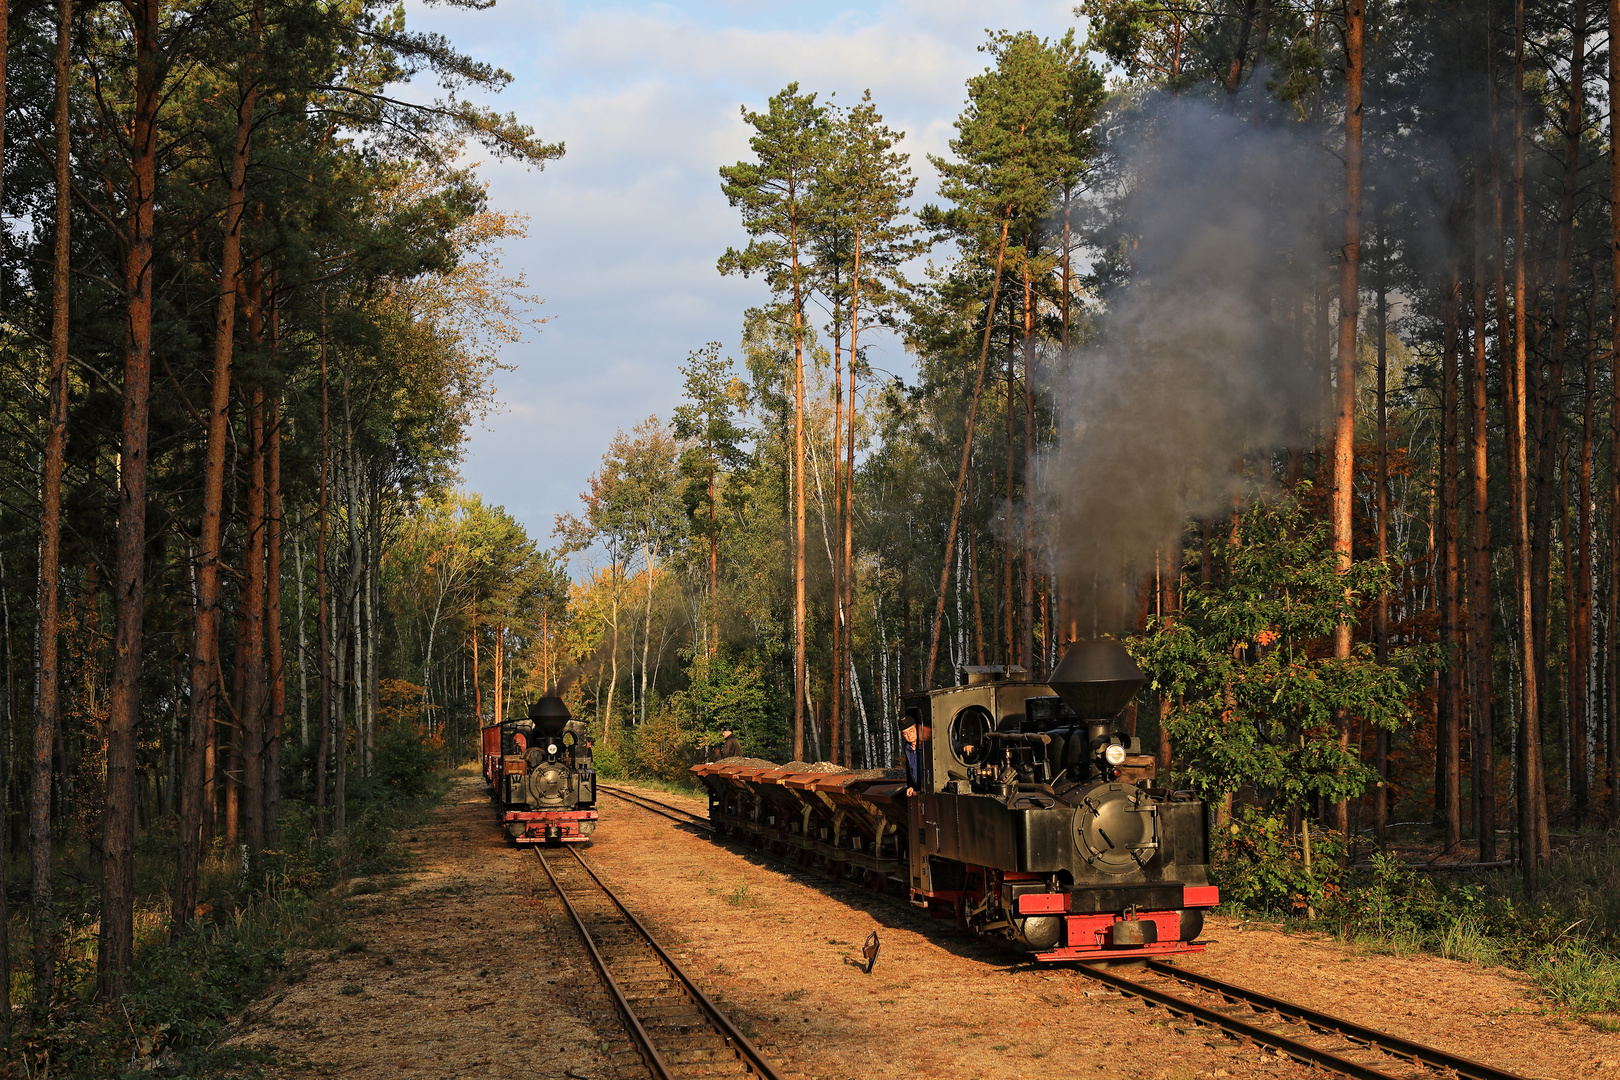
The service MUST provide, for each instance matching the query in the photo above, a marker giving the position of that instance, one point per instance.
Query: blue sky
(624, 231)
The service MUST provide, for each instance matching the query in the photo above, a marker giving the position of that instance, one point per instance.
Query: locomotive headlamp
(552, 749)
(1114, 754)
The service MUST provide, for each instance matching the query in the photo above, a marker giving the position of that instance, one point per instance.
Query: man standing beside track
(731, 747)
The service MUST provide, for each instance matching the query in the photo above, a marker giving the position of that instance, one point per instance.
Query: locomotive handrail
(655, 1060)
(755, 1060)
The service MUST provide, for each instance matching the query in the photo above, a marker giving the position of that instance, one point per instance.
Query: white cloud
(625, 229)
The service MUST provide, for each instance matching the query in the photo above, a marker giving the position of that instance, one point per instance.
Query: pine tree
(776, 194)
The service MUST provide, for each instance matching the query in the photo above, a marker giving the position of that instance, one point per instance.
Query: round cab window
(967, 734)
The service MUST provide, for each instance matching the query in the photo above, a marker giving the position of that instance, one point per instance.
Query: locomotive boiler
(1028, 816)
(539, 772)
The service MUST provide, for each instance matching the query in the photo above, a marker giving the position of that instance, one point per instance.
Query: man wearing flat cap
(731, 747)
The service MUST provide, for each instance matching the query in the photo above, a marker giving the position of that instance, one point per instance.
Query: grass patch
(1565, 938)
(180, 995)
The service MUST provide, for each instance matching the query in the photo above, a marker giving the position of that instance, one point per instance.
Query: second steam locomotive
(539, 772)
(1026, 815)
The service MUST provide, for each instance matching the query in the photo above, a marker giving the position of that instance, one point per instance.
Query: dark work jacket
(731, 747)
(913, 768)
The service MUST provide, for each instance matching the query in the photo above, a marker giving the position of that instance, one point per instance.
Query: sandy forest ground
(467, 967)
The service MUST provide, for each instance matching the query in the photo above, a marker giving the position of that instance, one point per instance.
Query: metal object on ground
(870, 951)
(670, 1035)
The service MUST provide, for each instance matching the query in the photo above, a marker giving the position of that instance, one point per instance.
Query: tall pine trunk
(11, 700)
(1028, 626)
(251, 720)
(799, 561)
(323, 613)
(1580, 660)
(1344, 428)
(1480, 659)
(1531, 792)
(840, 627)
(967, 455)
(1547, 477)
(1449, 791)
(276, 709)
(196, 803)
(1381, 535)
(46, 692)
(846, 663)
(1613, 718)
(116, 952)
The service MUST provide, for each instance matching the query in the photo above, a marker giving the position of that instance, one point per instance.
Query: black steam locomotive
(539, 773)
(1026, 815)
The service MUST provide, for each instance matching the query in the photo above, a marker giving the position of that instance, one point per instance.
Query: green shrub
(405, 758)
(1257, 861)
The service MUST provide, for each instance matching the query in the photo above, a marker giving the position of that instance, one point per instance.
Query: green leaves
(1011, 142)
(1247, 662)
(775, 191)
(708, 424)
(862, 233)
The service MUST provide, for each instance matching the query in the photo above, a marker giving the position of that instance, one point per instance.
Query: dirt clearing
(467, 967)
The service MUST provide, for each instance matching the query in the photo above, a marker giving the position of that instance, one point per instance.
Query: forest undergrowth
(182, 995)
(1565, 937)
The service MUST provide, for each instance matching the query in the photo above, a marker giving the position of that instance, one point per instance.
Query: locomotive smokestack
(549, 714)
(1097, 678)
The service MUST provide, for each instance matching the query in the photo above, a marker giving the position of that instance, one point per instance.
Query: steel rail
(652, 805)
(1324, 1022)
(1241, 1028)
(752, 1058)
(649, 1053)
(1380, 1041)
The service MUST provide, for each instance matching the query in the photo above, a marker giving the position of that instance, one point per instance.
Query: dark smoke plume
(1205, 354)
(571, 674)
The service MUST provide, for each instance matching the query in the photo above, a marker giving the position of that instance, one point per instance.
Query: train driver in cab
(912, 733)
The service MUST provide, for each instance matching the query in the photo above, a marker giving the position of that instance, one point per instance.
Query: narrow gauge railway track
(679, 1032)
(1301, 1033)
(663, 809)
